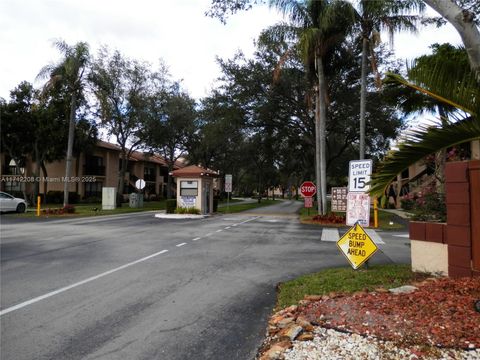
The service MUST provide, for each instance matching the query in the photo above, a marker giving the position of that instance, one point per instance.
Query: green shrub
(54, 197)
(171, 205)
(187, 210)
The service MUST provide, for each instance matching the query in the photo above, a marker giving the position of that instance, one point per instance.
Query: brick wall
(463, 217)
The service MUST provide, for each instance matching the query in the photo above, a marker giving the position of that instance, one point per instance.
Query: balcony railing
(94, 170)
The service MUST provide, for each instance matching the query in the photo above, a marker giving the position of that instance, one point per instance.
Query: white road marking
(375, 237)
(234, 224)
(209, 234)
(402, 235)
(228, 227)
(243, 222)
(66, 288)
(220, 230)
(197, 238)
(330, 235)
(178, 245)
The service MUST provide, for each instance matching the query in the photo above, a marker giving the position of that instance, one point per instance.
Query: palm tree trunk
(45, 182)
(363, 97)
(71, 134)
(322, 90)
(317, 154)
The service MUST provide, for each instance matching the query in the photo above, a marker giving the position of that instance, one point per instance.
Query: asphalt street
(138, 287)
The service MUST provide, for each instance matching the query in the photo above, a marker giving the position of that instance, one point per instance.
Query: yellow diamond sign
(357, 246)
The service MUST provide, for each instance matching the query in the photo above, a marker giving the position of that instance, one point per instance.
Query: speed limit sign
(359, 175)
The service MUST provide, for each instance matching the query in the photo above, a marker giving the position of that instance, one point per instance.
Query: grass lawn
(345, 280)
(89, 209)
(232, 201)
(243, 207)
(384, 219)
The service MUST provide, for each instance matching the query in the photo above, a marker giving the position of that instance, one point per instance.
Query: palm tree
(320, 26)
(372, 17)
(70, 72)
(458, 89)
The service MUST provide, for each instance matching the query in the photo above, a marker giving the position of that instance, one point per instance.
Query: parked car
(11, 203)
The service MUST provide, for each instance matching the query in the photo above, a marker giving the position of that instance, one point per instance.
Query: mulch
(440, 312)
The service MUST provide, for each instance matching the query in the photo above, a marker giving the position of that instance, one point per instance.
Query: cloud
(174, 30)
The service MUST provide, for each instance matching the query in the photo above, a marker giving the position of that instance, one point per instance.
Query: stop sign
(308, 189)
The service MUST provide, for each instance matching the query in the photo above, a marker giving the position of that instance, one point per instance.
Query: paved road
(138, 287)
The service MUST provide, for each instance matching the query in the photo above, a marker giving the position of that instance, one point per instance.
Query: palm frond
(293, 9)
(420, 143)
(460, 103)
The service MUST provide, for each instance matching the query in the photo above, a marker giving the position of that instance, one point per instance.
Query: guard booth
(195, 188)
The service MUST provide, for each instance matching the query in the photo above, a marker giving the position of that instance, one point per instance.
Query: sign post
(359, 175)
(356, 246)
(308, 189)
(339, 199)
(358, 200)
(228, 189)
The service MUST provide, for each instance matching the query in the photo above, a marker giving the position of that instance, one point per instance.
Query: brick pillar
(458, 219)
(474, 177)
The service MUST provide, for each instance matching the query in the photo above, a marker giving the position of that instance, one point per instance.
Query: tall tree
(16, 124)
(122, 87)
(321, 27)
(71, 71)
(171, 127)
(374, 16)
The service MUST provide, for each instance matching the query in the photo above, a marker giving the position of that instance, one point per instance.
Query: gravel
(334, 345)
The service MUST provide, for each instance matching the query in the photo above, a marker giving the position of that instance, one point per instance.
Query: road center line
(228, 227)
(178, 245)
(66, 288)
(197, 238)
(243, 222)
(209, 234)
(220, 230)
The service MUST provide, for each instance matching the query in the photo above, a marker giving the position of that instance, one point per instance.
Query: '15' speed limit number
(359, 175)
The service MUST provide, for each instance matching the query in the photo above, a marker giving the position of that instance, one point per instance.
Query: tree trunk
(121, 175)
(317, 154)
(71, 135)
(462, 21)
(169, 180)
(363, 97)
(322, 90)
(36, 186)
(441, 156)
(45, 182)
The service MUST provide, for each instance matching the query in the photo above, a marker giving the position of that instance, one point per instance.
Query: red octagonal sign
(308, 189)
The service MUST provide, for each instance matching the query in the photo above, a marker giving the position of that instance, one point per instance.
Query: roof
(107, 145)
(141, 156)
(194, 171)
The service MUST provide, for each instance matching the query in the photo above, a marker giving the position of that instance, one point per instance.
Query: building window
(94, 166)
(149, 174)
(93, 189)
(188, 188)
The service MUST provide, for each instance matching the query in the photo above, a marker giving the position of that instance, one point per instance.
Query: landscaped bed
(386, 220)
(437, 314)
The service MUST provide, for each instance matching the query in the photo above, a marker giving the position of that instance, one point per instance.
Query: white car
(11, 203)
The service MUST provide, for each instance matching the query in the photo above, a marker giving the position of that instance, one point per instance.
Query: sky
(176, 31)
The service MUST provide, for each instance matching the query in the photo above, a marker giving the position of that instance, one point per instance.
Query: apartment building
(90, 173)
